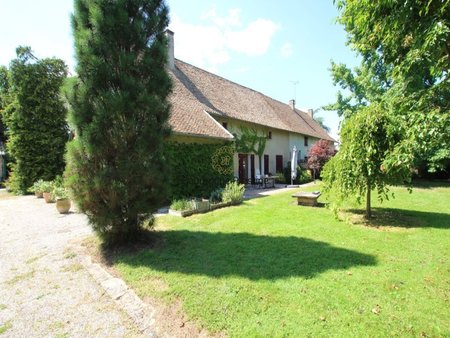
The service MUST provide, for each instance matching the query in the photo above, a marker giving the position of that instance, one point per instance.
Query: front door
(243, 168)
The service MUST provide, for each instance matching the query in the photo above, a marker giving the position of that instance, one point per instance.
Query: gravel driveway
(44, 290)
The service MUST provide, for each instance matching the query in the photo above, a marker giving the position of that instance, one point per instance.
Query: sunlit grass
(272, 268)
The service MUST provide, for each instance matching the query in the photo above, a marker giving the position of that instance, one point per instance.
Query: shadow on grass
(244, 255)
(391, 217)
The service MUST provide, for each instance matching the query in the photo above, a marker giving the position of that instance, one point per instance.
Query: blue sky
(264, 45)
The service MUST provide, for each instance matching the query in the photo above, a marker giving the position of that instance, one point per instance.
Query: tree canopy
(403, 77)
(35, 117)
(116, 169)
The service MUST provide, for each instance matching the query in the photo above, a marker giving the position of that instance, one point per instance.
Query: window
(225, 125)
(306, 141)
(270, 135)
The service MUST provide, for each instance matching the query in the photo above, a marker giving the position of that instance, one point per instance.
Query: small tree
(117, 170)
(363, 161)
(35, 118)
(318, 155)
(250, 141)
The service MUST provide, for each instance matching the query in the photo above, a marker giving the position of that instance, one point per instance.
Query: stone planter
(201, 205)
(220, 205)
(63, 205)
(48, 197)
(39, 194)
(182, 213)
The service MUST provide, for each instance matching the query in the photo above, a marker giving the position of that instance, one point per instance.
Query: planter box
(220, 205)
(183, 213)
(201, 205)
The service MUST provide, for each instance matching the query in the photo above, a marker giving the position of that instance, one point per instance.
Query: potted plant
(61, 195)
(47, 188)
(37, 188)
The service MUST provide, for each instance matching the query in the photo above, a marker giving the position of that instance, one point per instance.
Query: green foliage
(216, 196)
(35, 118)
(249, 140)
(405, 66)
(303, 176)
(194, 171)
(364, 160)
(233, 192)
(47, 186)
(38, 186)
(119, 111)
(182, 205)
(59, 193)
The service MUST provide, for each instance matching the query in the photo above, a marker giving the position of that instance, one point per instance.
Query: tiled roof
(197, 91)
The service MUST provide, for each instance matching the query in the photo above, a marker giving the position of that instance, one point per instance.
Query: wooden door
(243, 168)
(266, 165)
(279, 163)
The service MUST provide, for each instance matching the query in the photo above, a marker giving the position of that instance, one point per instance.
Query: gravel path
(45, 291)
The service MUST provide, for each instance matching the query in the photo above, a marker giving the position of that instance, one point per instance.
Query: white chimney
(310, 112)
(292, 104)
(170, 49)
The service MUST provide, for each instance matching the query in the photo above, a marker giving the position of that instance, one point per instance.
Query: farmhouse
(207, 108)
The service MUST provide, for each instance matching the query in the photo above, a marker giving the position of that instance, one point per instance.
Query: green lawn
(271, 268)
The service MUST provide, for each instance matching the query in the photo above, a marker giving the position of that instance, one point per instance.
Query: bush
(182, 205)
(281, 179)
(216, 196)
(35, 117)
(47, 186)
(233, 192)
(198, 169)
(37, 187)
(60, 193)
(287, 174)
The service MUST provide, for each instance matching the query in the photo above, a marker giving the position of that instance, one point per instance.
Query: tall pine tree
(116, 167)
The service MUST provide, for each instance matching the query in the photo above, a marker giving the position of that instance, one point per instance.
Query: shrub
(233, 192)
(287, 174)
(280, 178)
(216, 196)
(37, 186)
(182, 205)
(198, 169)
(35, 117)
(60, 193)
(47, 186)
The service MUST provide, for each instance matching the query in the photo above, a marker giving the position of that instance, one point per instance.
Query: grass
(20, 277)
(272, 268)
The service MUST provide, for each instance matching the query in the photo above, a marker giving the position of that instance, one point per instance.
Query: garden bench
(307, 198)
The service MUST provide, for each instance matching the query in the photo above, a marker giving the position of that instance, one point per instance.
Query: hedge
(198, 169)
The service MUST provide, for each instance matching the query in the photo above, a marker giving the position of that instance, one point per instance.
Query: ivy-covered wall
(198, 169)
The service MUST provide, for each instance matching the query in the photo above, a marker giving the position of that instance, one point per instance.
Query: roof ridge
(235, 83)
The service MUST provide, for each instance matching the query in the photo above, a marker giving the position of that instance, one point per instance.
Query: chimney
(292, 104)
(170, 50)
(310, 112)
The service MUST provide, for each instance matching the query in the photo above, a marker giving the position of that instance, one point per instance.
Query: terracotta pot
(48, 197)
(63, 205)
(38, 194)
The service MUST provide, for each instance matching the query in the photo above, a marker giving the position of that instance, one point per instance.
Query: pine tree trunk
(368, 209)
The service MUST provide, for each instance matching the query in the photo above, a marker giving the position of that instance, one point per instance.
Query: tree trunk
(260, 168)
(368, 209)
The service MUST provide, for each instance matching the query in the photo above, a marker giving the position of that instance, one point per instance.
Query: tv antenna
(295, 83)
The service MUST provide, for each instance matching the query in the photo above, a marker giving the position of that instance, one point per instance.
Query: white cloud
(210, 43)
(254, 40)
(287, 50)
